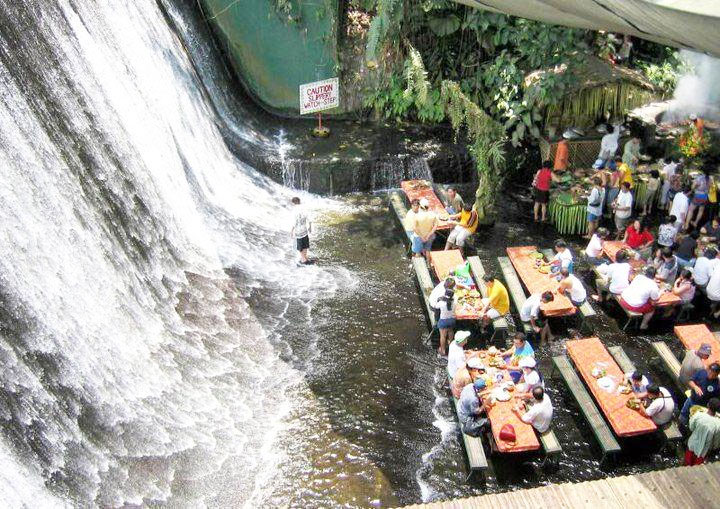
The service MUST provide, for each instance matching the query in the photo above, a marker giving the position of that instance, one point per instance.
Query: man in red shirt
(541, 190)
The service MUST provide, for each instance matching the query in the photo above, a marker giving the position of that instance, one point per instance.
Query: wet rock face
(378, 160)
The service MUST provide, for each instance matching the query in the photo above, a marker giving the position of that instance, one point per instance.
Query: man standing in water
(301, 228)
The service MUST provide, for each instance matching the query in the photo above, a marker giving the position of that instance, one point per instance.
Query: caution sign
(319, 96)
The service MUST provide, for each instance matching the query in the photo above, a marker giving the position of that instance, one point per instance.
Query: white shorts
(491, 313)
(459, 235)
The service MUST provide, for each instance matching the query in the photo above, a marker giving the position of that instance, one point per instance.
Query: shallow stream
(382, 390)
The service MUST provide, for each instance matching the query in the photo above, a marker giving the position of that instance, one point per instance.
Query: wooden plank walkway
(500, 324)
(599, 427)
(670, 430)
(673, 487)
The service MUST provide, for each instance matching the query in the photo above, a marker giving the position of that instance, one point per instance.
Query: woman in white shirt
(594, 249)
(615, 277)
(667, 232)
(446, 324)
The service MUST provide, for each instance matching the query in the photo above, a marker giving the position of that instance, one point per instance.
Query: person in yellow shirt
(497, 302)
(463, 229)
(626, 175)
(424, 225)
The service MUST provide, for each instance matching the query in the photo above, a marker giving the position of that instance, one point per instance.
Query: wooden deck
(673, 487)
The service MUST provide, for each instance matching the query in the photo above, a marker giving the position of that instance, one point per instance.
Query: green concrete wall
(273, 55)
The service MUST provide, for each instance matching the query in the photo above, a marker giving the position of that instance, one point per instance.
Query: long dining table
(611, 249)
(589, 354)
(538, 282)
(692, 336)
(469, 298)
(501, 413)
(419, 189)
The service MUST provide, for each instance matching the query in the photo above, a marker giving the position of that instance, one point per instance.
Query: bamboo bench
(670, 430)
(422, 275)
(473, 445)
(397, 204)
(586, 310)
(599, 427)
(500, 324)
(514, 287)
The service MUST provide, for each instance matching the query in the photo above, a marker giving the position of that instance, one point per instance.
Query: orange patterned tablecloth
(692, 336)
(589, 353)
(611, 248)
(537, 282)
(444, 262)
(419, 189)
(500, 414)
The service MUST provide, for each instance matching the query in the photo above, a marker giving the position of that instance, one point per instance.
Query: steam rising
(698, 91)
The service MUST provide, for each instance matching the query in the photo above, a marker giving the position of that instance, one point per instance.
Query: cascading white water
(132, 371)
(418, 168)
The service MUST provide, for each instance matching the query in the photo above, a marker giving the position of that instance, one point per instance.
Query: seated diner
(530, 312)
(540, 412)
(641, 295)
(614, 277)
(594, 249)
(572, 287)
(497, 303)
(638, 237)
(660, 405)
(466, 222)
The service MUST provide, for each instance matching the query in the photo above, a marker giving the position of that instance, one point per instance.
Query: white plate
(606, 383)
(501, 394)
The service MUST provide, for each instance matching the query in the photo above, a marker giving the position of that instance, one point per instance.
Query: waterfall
(133, 370)
(418, 168)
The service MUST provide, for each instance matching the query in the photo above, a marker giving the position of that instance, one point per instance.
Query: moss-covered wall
(274, 51)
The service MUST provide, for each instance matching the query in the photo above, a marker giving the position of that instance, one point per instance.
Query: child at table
(521, 348)
(563, 258)
(638, 383)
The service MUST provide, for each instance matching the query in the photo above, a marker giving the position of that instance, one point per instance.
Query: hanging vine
(486, 136)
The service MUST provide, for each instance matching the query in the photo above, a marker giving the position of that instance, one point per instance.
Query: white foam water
(133, 371)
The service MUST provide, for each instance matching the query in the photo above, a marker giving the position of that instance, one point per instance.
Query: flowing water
(158, 343)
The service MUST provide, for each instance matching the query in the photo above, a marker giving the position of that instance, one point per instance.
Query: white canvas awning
(692, 24)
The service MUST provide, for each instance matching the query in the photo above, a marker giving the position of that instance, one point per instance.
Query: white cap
(424, 203)
(475, 363)
(461, 336)
(527, 362)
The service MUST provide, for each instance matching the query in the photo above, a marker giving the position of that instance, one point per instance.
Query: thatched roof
(595, 73)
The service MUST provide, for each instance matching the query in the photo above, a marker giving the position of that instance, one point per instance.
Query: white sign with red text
(319, 96)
